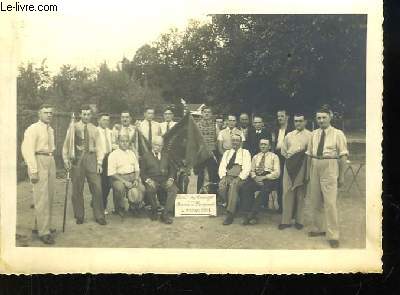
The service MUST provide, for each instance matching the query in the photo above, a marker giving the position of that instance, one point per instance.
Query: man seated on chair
(123, 169)
(265, 171)
(158, 175)
(233, 171)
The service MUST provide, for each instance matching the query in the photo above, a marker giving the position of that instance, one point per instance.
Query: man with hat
(37, 149)
(327, 156)
(168, 121)
(233, 170)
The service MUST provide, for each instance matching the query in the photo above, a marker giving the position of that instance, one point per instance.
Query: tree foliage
(254, 63)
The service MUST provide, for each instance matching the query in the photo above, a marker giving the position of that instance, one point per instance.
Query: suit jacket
(151, 167)
(253, 139)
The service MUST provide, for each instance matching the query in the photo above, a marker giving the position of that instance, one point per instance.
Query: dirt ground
(190, 232)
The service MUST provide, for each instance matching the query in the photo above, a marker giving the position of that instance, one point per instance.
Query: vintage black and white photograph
(204, 131)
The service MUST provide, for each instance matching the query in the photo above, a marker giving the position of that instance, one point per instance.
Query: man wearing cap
(123, 169)
(293, 149)
(149, 128)
(126, 129)
(233, 170)
(265, 171)
(225, 135)
(168, 121)
(37, 149)
(158, 176)
(87, 164)
(105, 136)
(327, 155)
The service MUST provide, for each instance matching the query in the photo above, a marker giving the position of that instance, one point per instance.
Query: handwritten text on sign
(195, 205)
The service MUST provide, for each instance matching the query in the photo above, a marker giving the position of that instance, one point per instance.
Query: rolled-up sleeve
(341, 144)
(28, 149)
(276, 172)
(246, 165)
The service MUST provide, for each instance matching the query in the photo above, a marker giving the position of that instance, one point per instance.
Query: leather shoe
(101, 221)
(334, 243)
(228, 220)
(47, 239)
(167, 219)
(314, 234)
(283, 226)
(298, 226)
(79, 220)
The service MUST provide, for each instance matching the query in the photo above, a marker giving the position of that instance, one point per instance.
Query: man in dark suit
(255, 133)
(158, 176)
(278, 136)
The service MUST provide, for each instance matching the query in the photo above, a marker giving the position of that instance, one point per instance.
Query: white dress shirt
(155, 129)
(335, 143)
(39, 137)
(271, 164)
(281, 137)
(105, 139)
(122, 162)
(243, 158)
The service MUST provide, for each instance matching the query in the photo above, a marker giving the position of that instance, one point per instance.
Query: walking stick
(65, 200)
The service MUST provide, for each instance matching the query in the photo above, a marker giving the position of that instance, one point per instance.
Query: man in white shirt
(168, 121)
(294, 188)
(123, 169)
(105, 136)
(233, 171)
(37, 149)
(326, 164)
(265, 171)
(125, 128)
(225, 135)
(149, 128)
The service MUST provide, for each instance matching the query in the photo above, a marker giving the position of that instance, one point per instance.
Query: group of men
(251, 166)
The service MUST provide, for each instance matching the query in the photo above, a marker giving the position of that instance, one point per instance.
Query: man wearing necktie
(255, 133)
(106, 145)
(158, 176)
(149, 128)
(37, 149)
(87, 164)
(168, 121)
(124, 129)
(233, 171)
(265, 171)
(327, 155)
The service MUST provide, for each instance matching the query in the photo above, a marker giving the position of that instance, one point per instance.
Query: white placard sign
(195, 205)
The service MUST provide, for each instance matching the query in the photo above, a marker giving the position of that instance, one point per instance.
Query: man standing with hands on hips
(87, 164)
(327, 156)
(37, 149)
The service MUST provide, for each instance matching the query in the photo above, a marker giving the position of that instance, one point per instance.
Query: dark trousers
(211, 166)
(252, 204)
(85, 167)
(105, 181)
(182, 181)
(280, 184)
(160, 187)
